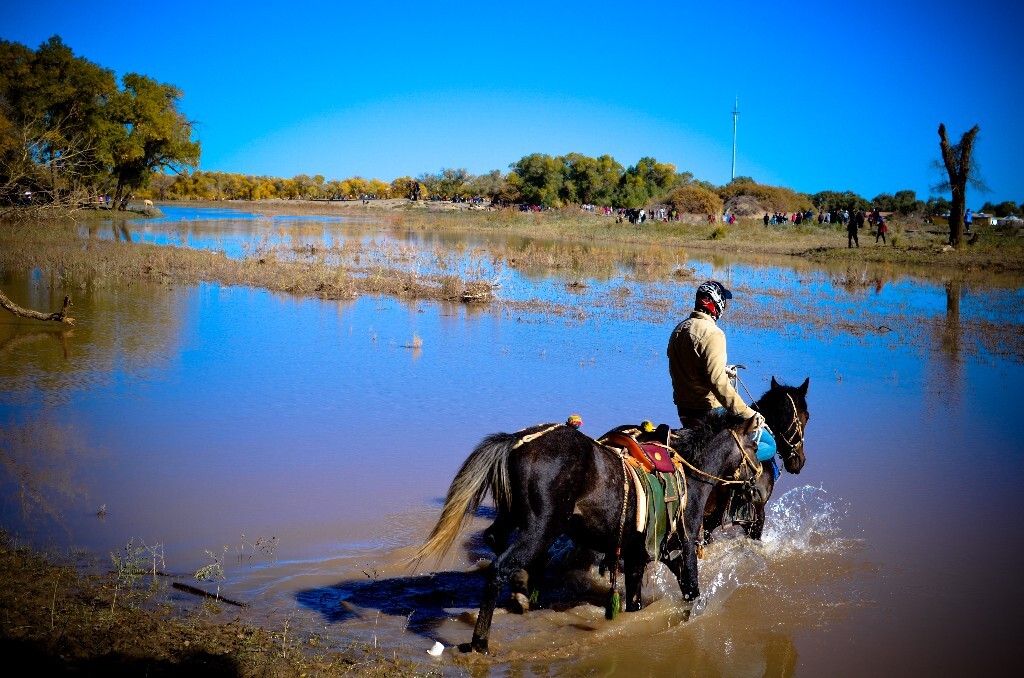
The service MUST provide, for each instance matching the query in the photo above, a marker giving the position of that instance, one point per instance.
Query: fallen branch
(61, 316)
(206, 594)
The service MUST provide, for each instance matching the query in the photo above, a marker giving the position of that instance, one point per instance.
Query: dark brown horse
(785, 411)
(552, 480)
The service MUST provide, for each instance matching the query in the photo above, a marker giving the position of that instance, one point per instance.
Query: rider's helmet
(712, 298)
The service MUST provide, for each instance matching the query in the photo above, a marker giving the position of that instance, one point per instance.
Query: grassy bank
(56, 621)
(910, 241)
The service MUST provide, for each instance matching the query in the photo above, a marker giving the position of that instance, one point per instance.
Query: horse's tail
(485, 469)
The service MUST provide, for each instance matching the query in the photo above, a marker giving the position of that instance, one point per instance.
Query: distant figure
(967, 220)
(882, 230)
(766, 218)
(851, 233)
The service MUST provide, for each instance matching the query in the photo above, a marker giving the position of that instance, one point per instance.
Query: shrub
(771, 198)
(695, 200)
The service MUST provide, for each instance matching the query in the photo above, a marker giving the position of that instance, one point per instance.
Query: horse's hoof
(479, 646)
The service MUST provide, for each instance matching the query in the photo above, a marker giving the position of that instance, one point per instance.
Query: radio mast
(735, 118)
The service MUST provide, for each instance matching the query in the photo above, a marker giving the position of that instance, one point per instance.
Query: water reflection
(199, 415)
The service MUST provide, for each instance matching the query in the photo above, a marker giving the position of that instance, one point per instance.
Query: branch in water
(61, 316)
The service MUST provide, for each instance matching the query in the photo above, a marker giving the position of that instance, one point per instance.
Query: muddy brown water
(302, 448)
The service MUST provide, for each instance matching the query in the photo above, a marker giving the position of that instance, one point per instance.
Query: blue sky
(832, 96)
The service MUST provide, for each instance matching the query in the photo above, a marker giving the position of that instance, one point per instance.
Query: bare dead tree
(60, 316)
(957, 161)
(46, 159)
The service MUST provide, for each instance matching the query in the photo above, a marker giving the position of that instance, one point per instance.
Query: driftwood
(61, 316)
(206, 594)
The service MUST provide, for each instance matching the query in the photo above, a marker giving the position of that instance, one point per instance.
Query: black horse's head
(722, 446)
(785, 410)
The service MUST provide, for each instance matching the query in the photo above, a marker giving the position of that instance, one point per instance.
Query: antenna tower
(735, 118)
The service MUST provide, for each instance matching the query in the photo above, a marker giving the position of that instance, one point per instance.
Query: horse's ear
(775, 384)
(803, 387)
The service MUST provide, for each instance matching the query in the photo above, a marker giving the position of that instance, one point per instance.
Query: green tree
(493, 186)
(961, 171)
(539, 178)
(592, 180)
(884, 202)
(825, 201)
(647, 180)
(52, 111)
(147, 133)
(905, 202)
(936, 206)
(1004, 209)
(452, 183)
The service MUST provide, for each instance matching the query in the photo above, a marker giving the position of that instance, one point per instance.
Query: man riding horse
(701, 378)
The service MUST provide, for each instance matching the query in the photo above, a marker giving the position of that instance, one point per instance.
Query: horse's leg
(634, 572)
(756, 526)
(531, 543)
(496, 536)
(714, 512)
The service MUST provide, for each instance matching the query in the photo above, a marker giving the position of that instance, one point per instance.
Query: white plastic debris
(436, 650)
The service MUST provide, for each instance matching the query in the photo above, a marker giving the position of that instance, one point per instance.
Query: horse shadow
(428, 600)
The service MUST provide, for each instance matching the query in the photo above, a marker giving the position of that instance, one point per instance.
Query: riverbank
(55, 620)
(911, 242)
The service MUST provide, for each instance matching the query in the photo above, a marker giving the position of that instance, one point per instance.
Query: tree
(52, 111)
(493, 186)
(539, 178)
(961, 170)
(147, 133)
(648, 179)
(452, 182)
(591, 181)
(825, 201)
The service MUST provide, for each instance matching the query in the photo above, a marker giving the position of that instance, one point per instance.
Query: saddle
(659, 488)
(648, 447)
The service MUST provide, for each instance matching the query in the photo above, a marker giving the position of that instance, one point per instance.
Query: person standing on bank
(851, 233)
(697, 361)
(882, 230)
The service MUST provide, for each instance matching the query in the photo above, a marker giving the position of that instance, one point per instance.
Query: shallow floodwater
(303, 448)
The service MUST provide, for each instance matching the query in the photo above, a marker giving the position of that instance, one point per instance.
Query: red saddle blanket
(652, 456)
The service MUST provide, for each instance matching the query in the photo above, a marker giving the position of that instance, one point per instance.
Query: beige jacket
(696, 363)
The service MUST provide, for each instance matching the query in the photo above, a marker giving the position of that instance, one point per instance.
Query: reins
(794, 422)
(755, 468)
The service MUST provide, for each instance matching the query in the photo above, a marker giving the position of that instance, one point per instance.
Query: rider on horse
(701, 379)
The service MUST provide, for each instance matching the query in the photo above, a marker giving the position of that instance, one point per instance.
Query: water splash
(804, 519)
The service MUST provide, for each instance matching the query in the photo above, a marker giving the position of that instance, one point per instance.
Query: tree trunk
(61, 316)
(957, 160)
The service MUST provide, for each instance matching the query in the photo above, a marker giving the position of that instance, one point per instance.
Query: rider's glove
(758, 419)
(730, 371)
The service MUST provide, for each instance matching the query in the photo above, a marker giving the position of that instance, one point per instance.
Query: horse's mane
(693, 444)
(774, 399)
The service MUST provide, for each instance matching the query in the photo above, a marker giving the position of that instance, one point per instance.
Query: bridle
(793, 435)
